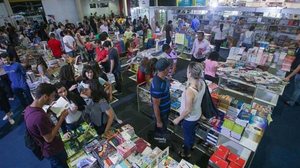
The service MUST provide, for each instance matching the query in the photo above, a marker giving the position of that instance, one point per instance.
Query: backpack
(32, 144)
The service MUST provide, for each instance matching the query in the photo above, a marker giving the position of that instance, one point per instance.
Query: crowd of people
(91, 91)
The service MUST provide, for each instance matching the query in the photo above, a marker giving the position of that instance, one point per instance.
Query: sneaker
(11, 121)
(8, 115)
(119, 121)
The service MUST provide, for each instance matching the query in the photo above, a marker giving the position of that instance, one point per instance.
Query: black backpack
(32, 144)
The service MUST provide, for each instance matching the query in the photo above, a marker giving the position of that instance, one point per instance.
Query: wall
(3, 14)
(113, 5)
(61, 9)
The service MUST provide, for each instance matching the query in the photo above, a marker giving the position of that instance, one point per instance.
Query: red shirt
(89, 46)
(101, 54)
(55, 47)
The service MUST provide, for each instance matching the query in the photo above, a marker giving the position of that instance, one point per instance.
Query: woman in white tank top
(191, 111)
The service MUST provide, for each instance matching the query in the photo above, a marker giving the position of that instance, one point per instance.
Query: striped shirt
(160, 89)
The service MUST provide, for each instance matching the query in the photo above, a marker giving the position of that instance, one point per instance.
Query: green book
(238, 129)
(228, 124)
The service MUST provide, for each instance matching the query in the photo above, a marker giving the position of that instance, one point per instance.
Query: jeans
(74, 125)
(218, 44)
(189, 128)
(91, 55)
(296, 93)
(59, 160)
(165, 120)
(168, 40)
(193, 59)
(24, 96)
(247, 46)
(118, 78)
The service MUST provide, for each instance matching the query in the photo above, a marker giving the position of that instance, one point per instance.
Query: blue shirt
(17, 75)
(160, 89)
(195, 24)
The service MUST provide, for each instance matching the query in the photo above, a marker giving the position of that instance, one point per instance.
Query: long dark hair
(97, 89)
(87, 68)
(97, 70)
(66, 73)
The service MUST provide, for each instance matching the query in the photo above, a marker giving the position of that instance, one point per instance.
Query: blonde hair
(196, 70)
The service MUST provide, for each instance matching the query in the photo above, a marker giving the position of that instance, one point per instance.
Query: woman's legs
(296, 92)
(188, 135)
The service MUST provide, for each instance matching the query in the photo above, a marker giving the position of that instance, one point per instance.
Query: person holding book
(200, 48)
(75, 106)
(296, 92)
(43, 130)
(191, 111)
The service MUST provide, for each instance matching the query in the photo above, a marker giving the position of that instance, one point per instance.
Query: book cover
(59, 106)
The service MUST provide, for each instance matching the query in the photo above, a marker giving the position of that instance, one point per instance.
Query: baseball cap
(162, 64)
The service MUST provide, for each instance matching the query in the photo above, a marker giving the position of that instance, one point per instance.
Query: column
(8, 8)
(125, 8)
(79, 10)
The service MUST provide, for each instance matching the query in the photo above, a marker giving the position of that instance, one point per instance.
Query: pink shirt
(211, 67)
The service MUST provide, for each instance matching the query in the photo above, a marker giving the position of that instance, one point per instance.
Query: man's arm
(207, 48)
(297, 70)
(50, 137)
(156, 103)
(112, 64)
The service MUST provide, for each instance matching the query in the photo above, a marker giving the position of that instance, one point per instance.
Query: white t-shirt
(67, 39)
(220, 35)
(103, 28)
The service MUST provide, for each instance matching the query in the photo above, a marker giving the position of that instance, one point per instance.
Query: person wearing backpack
(191, 111)
(42, 130)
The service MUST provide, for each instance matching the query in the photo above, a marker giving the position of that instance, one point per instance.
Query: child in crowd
(136, 41)
(17, 76)
(89, 48)
(211, 66)
(76, 106)
(128, 34)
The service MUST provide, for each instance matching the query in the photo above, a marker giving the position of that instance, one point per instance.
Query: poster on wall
(184, 2)
(199, 2)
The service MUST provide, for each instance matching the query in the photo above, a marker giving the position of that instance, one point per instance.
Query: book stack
(215, 98)
(125, 149)
(255, 128)
(224, 158)
(243, 118)
(224, 102)
(232, 112)
(212, 137)
(168, 162)
(227, 127)
(237, 131)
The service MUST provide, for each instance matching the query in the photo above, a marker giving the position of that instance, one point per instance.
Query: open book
(58, 107)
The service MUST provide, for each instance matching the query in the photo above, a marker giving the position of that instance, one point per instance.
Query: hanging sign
(199, 2)
(184, 2)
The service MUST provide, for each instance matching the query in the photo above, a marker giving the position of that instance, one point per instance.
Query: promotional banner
(200, 3)
(184, 2)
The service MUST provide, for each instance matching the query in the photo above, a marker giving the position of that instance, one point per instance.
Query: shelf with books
(236, 92)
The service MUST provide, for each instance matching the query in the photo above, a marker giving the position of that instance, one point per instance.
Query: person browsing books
(191, 112)
(42, 129)
(160, 97)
